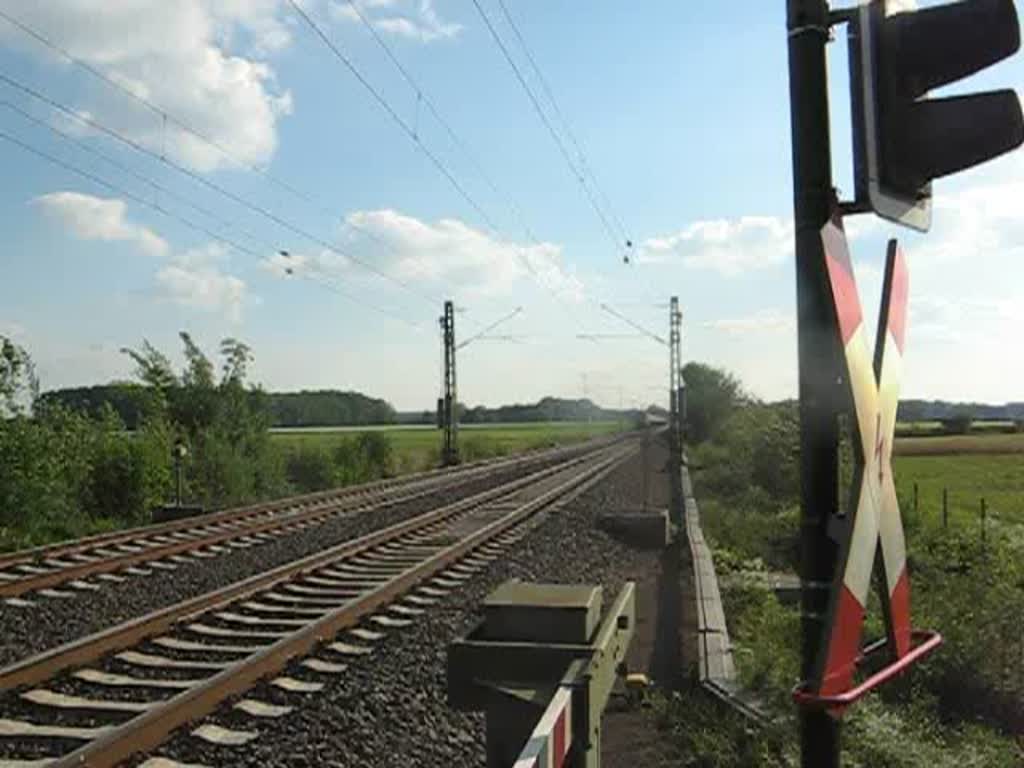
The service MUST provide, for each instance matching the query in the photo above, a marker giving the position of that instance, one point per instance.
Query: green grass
(999, 478)
(418, 448)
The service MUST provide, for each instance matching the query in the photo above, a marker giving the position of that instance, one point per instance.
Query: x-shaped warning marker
(874, 386)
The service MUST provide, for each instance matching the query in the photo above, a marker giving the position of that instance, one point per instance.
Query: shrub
(310, 468)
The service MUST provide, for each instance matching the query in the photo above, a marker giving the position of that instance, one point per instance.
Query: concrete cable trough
(103, 699)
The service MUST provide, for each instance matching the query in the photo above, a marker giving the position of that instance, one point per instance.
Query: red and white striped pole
(551, 740)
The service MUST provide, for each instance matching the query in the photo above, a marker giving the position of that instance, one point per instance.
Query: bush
(310, 468)
(957, 424)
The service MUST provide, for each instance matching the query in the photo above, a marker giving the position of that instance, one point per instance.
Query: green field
(959, 444)
(419, 448)
(968, 477)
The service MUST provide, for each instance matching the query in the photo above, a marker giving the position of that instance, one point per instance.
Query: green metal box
(542, 613)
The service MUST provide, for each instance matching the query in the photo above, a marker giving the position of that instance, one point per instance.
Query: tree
(237, 356)
(711, 396)
(18, 380)
(152, 367)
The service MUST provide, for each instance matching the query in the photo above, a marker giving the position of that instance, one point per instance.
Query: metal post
(983, 514)
(945, 507)
(915, 496)
(177, 474)
(646, 469)
(673, 377)
(449, 409)
(807, 25)
(179, 452)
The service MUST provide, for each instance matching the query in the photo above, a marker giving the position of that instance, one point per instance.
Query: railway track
(84, 564)
(112, 696)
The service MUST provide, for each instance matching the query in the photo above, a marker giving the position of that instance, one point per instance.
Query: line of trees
(321, 408)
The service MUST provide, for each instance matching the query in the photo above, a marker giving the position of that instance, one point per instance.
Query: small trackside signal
(902, 139)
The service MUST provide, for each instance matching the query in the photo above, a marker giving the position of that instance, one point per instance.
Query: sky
(152, 187)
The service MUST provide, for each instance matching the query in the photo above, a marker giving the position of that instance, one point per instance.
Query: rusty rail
(148, 730)
(49, 663)
(331, 500)
(234, 514)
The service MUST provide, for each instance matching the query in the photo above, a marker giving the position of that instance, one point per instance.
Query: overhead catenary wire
(391, 112)
(576, 173)
(124, 168)
(636, 326)
(212, 185)
(167, 116)
(585, 164)
(456, 139)
(126, 194)
(491, 327)
(329, 282)
(413, 134)
(116, 189)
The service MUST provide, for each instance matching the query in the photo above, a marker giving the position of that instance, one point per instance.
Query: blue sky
(682, 110)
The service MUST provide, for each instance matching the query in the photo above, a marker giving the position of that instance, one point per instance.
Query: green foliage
(766, 640)
(132, 402)
(18, 382)
(957, 424)
(972, 591)
(546, 409)
(711, 396)
(702, 732)
(314, 466)
(753, 457)
(66, 475)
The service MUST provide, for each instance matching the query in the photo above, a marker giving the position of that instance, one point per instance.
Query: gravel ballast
(389, 708)
(49, 622)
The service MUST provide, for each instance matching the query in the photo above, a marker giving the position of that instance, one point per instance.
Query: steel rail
(49, 663)
(151, 728)
(73, 546)
(418, 489)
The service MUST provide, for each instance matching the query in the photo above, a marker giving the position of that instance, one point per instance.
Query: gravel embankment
(389, 708)
(51, 621)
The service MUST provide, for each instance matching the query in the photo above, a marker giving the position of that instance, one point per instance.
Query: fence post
(945, 507)
(915, 495)
(983, 510)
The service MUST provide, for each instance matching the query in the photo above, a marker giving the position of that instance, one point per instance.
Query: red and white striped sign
(874, 386)
(550, 741)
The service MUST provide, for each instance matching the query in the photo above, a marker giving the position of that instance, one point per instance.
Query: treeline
(328, 408)
(70, 467)
(942, 410)
(544, 410)
(321, 408)
(547, 409)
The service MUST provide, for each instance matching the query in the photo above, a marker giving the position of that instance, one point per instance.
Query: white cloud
(975, 222)
(412, 19)
(447, 252)
(731, 247)
(99, 218)
(195, 280)
(762, 321)
(182, 55)
(12, 330)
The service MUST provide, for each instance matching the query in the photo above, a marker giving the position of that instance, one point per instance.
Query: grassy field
(944, 445)
(970, 467)
(999, 478)
(418, 448)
